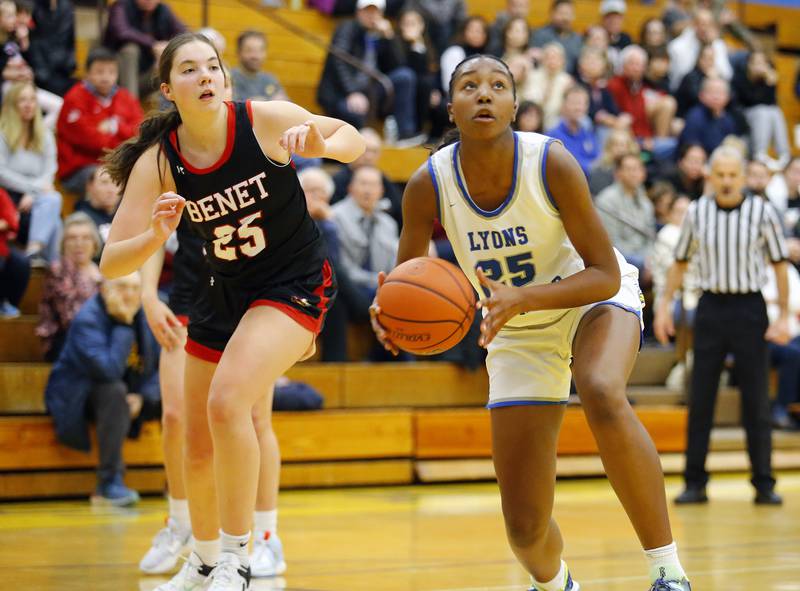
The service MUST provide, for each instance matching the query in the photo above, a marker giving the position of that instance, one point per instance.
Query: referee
(732, 235)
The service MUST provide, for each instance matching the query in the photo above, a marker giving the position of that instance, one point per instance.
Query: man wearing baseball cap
(613, 14)
(344, 91)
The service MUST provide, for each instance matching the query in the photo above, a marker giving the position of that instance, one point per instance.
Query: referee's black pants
(735, 324)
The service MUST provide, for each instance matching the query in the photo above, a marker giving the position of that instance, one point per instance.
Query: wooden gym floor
(422, 538)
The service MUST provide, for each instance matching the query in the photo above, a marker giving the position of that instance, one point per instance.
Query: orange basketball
(427, 305)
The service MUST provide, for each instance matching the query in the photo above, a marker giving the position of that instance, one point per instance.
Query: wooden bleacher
(379, 424)
(367, 435)
(763, 14)
(383, 424)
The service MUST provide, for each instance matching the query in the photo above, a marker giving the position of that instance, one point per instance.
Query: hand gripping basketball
(502, 305)
(424, 306)
(374, 311)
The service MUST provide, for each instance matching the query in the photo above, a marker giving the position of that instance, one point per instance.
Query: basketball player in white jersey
(518, 213)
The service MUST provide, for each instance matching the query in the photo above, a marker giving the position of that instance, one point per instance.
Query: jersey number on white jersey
(516, 269)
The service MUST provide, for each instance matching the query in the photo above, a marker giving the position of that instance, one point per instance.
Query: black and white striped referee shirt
(732, 245)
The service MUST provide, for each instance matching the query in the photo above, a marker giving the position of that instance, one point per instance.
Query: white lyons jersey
(522, 242)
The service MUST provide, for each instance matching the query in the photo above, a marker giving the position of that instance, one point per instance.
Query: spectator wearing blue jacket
(107, 371)
(575, 129)
(710, 122)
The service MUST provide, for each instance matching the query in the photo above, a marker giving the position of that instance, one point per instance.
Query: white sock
(556, 584)
(179, 511)
(236, 545)
(664, 563)
(265, 522)
(208, 551)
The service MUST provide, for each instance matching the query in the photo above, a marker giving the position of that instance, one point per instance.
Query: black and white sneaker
(229, 574)
(193, 576)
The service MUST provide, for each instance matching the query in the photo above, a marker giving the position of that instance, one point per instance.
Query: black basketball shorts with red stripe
(221, 303)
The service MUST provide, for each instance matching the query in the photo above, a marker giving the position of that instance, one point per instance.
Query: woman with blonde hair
(69, 282)
(546, 84)
(27, 169)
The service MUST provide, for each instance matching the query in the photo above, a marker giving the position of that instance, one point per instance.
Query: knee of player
(198, 451)
(172, 417)
(526, 529)
(262, 422)
(603, 396)
(224, 406)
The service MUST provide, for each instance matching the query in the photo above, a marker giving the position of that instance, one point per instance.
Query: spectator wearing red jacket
(97, 115)
(15, 269)
(652, 111)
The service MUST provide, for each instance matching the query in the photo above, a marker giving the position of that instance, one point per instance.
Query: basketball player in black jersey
(168, 323)
(226, 167)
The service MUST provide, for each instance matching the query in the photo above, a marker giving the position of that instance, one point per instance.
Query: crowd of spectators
(641, 113)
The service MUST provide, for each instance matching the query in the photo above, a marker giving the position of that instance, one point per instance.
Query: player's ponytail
(156, 126)
(152, 131)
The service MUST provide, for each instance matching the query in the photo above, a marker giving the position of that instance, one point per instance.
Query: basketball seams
(425, 288)
(461, 325)
(446, 267)
(427, 350)
(414, 321)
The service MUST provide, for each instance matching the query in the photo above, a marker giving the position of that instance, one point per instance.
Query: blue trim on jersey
(432, 172)
(525, 403)
(463, 188)
(544, 174)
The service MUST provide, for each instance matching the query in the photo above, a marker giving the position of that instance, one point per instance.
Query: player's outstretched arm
(145, 219)
(284, 128)
(419, 211)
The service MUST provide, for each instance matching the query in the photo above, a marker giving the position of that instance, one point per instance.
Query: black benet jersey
(249, 211)
(189, 255)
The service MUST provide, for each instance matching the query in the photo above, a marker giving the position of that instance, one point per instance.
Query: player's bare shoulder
(420, 193)
(152, 168)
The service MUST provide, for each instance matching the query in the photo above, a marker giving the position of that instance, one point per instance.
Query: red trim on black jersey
(229, 141)
(183, 319)
(308, 322)
(202, 352)
(327, 281)
(305, 320)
